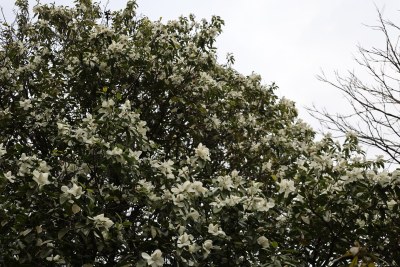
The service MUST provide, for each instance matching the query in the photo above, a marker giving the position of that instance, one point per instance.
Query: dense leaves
(123, 142)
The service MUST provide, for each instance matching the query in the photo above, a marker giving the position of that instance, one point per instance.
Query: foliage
(123, 142)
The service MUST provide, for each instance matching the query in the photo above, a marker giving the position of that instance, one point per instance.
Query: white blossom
(202, 152)
(225, 182)
(3, 151)
(184, 240)
(41, 178)
(354, 250)
(155, 259)
(198, 188)
(115, 152)
(25, 104)
(286, 186)
(263, 241)
(194, 214)
(115, 47)
(166, 168)
(9, 177)
(56, 258)
(75, 190)
(391, 204)
(102, 222)
(214, 229)
(207, 246)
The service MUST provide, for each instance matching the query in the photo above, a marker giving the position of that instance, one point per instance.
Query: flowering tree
(124, 143)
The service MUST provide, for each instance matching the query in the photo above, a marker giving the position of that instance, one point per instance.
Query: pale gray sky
(286, 41)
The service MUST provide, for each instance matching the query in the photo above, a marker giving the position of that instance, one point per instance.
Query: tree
(374, 117)
(123, 142)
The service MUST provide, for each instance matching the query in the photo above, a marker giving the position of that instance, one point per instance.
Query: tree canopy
(124, 142)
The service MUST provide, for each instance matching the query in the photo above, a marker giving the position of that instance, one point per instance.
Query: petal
(146, 256)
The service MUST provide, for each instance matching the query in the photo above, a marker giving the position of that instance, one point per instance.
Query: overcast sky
(287, 42)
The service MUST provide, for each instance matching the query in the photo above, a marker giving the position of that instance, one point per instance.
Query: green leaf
(27, 231)
(354, 262)
(63, 199)
(274, 244)
(119, 96)
(85, 231)
(62, 233)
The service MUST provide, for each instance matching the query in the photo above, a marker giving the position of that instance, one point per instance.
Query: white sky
(286, 41)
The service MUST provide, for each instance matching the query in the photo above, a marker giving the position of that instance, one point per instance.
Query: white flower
(25, 104)
(107, 103)
(145, 185)
(194, 214)
(101, 221)
(63, 128)
(165, 167)
(351, 134)
(193, 248)
(214, 229)
(262, 205)
(207, 246)
(134, 154)
(3, 151)
(198, 188)
(286, 186)
(155, 259)
(263, 241)
(391, 204)
(382, 178)
(266, 166)
(232, 200)
(75, 190)
(178, 200)
(9, 177)
(115, 152)
(53, 258)
(225, 182)
(202, 152)
(216, 121)
(126, 106)
(41, 178)
(106, 106)
(180, 188)
(354, 250)
(360, 222)
(327, 216)
(184, 240)
(115, 47)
